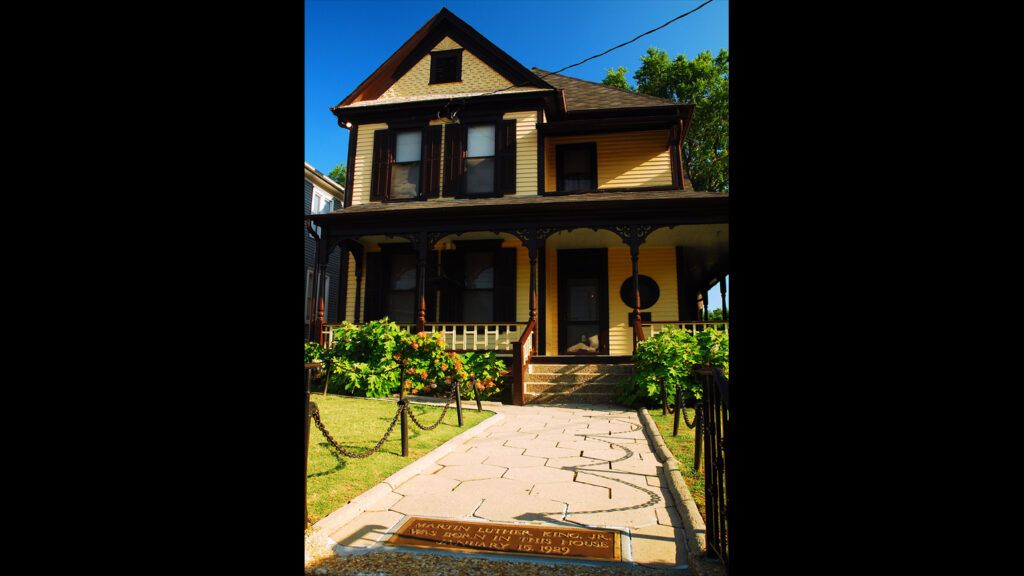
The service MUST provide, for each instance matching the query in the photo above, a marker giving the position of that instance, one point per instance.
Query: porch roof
(522, 204)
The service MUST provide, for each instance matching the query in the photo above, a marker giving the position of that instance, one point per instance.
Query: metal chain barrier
(687, 420)
(315, 413)
(451, 397)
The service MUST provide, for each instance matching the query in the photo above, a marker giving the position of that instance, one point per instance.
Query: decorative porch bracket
(634, 235)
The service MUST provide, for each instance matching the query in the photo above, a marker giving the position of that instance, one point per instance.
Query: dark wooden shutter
(380, 179)
(430, 174)
(374, 286)
(454, 151)
(505, 285)
(506, 157)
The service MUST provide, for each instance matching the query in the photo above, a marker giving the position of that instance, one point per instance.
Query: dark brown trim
(353, 140)
(343, 288)
(454, 54)
(610, 125)
(560, 150)
(428, 110)
(540, 152)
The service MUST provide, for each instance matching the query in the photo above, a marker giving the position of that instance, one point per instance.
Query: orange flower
(397, 356)
(407, 383)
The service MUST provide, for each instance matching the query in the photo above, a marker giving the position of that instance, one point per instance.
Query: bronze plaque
(508, 538)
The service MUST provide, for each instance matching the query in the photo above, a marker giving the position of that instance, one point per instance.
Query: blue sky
(346, 40)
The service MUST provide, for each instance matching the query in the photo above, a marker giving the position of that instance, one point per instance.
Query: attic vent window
(446, 66)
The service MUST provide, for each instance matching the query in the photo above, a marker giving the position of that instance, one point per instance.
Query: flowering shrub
(669, 357)
(379, 357)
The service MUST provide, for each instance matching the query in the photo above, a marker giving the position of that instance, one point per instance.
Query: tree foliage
(617, 78)
(703, 82)
(338, 174)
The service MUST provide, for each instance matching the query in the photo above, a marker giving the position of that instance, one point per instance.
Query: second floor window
(405, 171)
(480, 160)
(576, 167)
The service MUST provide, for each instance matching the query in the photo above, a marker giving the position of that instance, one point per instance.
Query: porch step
(574, 383)
(581, 369)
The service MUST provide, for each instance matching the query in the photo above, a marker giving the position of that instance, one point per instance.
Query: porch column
(421, 280)
(725, 311)
(359, 281)
(707, 310)
(321, 291)
(634, 254)
(532, 251)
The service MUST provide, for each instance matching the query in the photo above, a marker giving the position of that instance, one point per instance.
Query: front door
(583, 302)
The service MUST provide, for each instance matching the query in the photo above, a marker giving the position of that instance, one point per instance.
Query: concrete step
(569, 389)
(623, 369)
(574, 378)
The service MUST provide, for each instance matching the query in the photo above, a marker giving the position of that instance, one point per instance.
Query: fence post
(405, 412)
(305, 470)
(458, 401)
(679, 407)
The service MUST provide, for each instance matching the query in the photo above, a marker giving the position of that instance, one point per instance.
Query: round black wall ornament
(649, 291)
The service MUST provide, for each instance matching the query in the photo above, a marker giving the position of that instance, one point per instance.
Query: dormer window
(446, 66)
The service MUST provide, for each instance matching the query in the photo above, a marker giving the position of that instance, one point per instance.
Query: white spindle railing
(496, 336)
(528, 347)
(652, 328)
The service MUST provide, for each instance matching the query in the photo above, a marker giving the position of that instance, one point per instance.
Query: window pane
(480, 270)
(407, 146)
(405, 180)
(577, 169)
(400, 306)
(582, 338)
(478, 306)
(403, 272)
(479, 175)
(481, 141)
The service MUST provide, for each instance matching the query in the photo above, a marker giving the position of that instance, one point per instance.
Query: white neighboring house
(322, 195)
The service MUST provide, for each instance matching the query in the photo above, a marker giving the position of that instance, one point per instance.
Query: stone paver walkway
(570, 465)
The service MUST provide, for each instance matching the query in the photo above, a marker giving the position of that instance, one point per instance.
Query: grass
(682, 448)
(357, 424)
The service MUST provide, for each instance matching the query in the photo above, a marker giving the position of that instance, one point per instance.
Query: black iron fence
(714, 432)
(403, 413)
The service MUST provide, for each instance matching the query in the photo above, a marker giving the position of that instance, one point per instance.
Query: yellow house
(511, 209)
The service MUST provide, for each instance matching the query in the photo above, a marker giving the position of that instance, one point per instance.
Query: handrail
(522, 352)
(461, 336)
(651, 328)
(638, 331)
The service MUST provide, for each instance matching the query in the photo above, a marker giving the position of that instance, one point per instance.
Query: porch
(537, 277)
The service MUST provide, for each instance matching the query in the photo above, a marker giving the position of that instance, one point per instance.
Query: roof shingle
(586, 95)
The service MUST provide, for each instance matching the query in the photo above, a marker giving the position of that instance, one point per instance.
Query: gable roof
(444, 23)
(586, 95)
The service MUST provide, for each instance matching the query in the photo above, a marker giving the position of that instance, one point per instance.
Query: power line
(651, 31)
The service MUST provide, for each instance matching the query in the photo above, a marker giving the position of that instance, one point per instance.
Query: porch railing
(652, 328)
(523, 350)
(461, 336)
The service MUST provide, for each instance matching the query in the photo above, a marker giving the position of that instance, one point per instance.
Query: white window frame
(326, 204)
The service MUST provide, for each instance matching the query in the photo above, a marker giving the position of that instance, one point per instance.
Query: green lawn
(357, 424)
(682, 448)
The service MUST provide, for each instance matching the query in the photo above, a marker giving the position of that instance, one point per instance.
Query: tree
(617, 78)
(703, 82)
(338, 174)
(715, 315)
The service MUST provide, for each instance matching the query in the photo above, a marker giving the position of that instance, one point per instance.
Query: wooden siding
(551, 302)
(624, 159)
(658, 262)
(476, 77)
(363, 163)
(526, 151)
